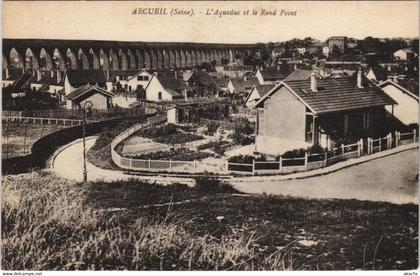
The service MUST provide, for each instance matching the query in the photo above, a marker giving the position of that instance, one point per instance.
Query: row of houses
(328, 112)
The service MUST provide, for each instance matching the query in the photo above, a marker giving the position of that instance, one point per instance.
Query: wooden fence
(77, 114)
(281, 166)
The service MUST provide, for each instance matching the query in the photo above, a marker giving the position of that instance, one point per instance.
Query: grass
(53, 224)
(100, 154)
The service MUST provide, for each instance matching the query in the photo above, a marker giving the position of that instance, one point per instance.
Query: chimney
(38, 75)
(359, 78)
(314, 83)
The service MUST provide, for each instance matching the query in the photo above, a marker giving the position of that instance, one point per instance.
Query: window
(160, 96)
(366, 120)
(346, 124)
(142, 78)
(309, 128)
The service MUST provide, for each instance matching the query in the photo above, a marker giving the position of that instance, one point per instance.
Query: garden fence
(281, 166)
(77, 114)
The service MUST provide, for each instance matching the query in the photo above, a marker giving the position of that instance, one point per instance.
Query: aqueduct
(113, 55)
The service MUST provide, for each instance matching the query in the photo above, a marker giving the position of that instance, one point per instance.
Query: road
(391, 179)
(68, 163)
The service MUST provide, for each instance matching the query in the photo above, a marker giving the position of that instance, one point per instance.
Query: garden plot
(136, 145)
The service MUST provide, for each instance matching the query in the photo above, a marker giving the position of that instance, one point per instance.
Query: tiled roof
(272, 74)
(13, 74)
(84, 90)
(172, 85)
(222, 82)
(410, 85)
(46, 78)
(299, 74)
(24, 80)
(263, 89)
(335, 95)
(380, 73)
(203, 78)
(241, 85)
(80, 77)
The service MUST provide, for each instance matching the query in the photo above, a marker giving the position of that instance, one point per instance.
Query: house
(165, 89)
(327, 112)
(99, 97)
(9, 76)
(203, 85)
(376, 73)
(22, 83)
(120, 78)
(326, 51)
(404, 54)
(222, 83)
(277, 51)
(48, 81)
(241, 85)
(257, 92)
(139, 80)
(271, 75)
(337, 42)
(407, 98)
(232, 70)
(77, 78)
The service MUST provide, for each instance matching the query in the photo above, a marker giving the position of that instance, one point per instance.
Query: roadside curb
(323, 171)
(61, 149)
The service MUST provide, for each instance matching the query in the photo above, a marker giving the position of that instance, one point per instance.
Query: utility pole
(87, 104)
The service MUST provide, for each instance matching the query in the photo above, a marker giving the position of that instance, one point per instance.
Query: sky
(114, 20)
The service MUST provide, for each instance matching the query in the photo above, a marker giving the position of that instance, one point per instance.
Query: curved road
(391, 178)
(68, 163)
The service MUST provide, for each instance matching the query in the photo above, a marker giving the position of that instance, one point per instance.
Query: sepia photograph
(210, 136)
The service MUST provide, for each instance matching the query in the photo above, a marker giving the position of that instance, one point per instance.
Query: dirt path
(391, 179)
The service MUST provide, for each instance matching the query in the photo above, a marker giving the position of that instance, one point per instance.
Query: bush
(248, 159)
(212, 145)
(169, 134)
(246, 141)
(178, 138)
(156, 132)
(212, 127)
(174, 154)
(297, 153)
(212, 185)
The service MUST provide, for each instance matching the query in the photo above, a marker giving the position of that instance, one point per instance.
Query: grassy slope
(16, 137)
(49, 223)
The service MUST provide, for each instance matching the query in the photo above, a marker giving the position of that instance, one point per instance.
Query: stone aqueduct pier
(48, 54)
